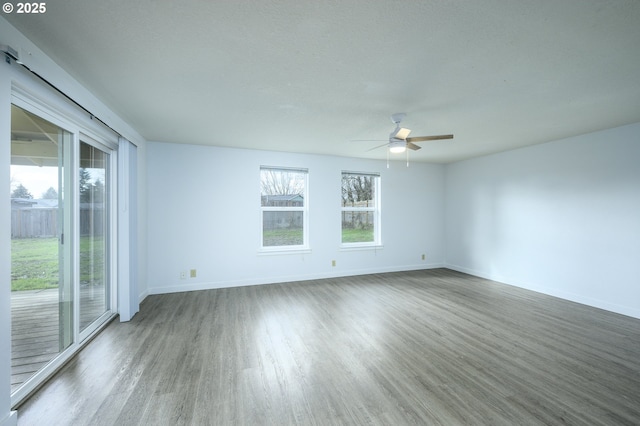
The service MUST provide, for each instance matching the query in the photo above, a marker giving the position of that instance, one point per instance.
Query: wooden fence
(43, 222)
(357, 219)
(34, 223)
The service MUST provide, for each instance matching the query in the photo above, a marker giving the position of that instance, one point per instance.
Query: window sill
(357, 247)
(281, 251)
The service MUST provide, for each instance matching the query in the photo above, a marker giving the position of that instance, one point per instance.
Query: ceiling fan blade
(413, 146)
(429, 138)
(400, 133)
(379, 146)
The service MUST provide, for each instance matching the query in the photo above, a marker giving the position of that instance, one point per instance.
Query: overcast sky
(36, 179)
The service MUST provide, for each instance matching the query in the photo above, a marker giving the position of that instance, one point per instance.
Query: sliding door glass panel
(93, 176)
(41, 285)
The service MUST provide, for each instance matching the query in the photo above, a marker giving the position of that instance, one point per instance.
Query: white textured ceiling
(310, 76)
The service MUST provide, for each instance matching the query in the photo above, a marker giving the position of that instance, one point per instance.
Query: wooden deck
(35, 329)
(34, 332)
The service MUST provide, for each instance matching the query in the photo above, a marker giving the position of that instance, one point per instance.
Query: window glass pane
(282, 228)
(358, 226)
(358, 190)
(282, 188)
(41, 293)
(93, 233)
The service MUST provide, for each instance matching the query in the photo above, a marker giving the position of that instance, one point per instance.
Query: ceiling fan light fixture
(397, 147)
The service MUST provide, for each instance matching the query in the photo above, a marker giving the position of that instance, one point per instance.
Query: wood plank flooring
(429, 347)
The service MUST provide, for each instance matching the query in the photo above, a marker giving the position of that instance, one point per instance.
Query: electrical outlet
(423, 257)
(183, 275)
(192, 273)
(333, 263)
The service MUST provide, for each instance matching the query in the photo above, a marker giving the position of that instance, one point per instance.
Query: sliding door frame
(112, 242)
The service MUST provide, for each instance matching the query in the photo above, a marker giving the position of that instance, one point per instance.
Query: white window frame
(299, 248)
(375, 208)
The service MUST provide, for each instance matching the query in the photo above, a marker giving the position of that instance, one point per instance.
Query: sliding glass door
(61, 241)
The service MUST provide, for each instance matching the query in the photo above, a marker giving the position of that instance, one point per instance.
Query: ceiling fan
(399, 139)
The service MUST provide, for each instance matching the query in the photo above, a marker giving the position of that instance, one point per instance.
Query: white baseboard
(177, 288)
(11, 419)
(143, 296)
(572, 297)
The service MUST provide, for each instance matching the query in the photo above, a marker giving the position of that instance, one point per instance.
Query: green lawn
(91, 260)
(290, 237)
(34, 262)
(282, 237)
(357, 235)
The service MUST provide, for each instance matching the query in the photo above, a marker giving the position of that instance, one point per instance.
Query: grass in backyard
(92, 260)
(290, 237)
(282, 237)
(34, 263)
(351, 235)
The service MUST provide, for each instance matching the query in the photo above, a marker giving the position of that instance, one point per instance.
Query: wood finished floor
(423, 347)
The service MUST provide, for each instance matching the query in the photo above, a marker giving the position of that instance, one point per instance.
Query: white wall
(204, 214)
(561, 218)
